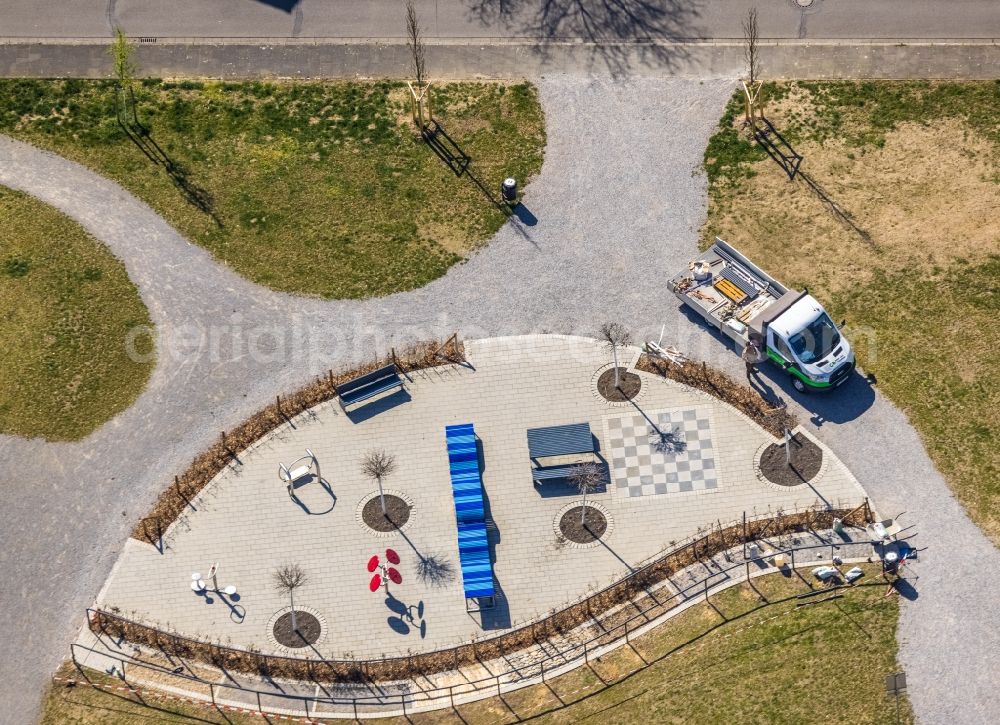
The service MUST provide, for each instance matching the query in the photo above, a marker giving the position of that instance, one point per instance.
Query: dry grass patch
(906, 246)
(66, 309)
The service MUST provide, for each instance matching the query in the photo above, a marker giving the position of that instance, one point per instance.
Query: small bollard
(508, 190)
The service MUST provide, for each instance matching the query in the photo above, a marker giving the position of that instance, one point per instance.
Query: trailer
(745, 303)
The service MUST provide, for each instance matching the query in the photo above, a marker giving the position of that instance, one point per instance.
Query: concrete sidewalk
(499, 57)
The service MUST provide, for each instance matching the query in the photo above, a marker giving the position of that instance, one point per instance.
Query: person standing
(752, 356)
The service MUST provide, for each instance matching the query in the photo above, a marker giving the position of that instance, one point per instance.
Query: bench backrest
(389, 371)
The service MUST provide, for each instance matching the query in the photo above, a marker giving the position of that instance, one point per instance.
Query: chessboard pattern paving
(657, 452)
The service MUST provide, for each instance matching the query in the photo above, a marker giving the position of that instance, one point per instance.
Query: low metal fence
(382, 701)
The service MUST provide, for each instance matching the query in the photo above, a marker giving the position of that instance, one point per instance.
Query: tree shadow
(839, 212)
(618, 32)
(666, 442)
(456, 159)
(435, 570)
(140, 135)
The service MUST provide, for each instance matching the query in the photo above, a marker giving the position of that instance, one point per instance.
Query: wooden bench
(368, 386)
(557, 441)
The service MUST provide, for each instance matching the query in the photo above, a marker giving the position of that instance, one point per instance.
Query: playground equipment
(299, 469)
(381, 573)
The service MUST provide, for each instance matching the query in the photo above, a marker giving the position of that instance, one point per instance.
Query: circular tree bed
(307, 632)
(397, 513)
(807, 458)
(629, 385)
(593, 527)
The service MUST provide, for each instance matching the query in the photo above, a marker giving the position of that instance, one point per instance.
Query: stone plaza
(246, 522)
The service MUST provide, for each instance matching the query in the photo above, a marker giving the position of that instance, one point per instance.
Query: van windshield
(816, 340)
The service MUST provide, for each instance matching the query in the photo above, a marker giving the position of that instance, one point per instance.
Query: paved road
(547, 19)
(613, 214)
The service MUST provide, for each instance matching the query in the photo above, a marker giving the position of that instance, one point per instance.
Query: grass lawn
(313, 188)
(906, 246)
(67, 306)
(776, 664)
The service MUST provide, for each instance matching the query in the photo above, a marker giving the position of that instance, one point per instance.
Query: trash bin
(508, 190)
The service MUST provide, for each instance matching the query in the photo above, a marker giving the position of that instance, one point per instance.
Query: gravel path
(618, 205)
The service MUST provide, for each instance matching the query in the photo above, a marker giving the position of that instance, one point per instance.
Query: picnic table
(574, 439)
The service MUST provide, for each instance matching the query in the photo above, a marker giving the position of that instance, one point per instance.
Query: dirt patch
(588, 531)
(928, 195)
(629, 385)
(445, 236)
(397, 513)
(806, 457)
(307, 629)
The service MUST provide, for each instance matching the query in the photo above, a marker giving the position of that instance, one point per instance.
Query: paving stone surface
(662, 451)
(246, 521)
(479, 679)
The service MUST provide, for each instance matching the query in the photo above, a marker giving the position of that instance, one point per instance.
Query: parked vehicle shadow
(846, 403)
(842, 405)
(286, 6)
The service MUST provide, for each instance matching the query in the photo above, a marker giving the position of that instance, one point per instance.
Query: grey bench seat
(369, 385)
(553, 473)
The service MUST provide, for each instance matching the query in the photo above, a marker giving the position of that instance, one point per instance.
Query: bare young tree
(287, 579)
(587, 477)
(750, 46)
(377, 465)
(615, 334)
(122, 52)
(415, 41)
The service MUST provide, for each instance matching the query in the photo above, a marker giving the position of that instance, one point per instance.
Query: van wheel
(799, 385)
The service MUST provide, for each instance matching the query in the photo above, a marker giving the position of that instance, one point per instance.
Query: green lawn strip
(68, 306)
(939, 362)
(110, 704)
(316, 188)
(776, 664)
(766, 664)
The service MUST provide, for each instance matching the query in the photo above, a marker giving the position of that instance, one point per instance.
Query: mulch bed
(397, 513)
(629, 383)
(593, 528)
(308, 631)
(807, 458)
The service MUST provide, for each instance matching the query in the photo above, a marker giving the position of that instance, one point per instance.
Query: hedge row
(698, 375)
(230, 444)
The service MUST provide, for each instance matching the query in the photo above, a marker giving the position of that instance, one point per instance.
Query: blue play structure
(467, 489)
